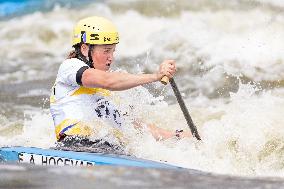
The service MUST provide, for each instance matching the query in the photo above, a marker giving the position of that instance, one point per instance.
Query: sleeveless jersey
(72, 105)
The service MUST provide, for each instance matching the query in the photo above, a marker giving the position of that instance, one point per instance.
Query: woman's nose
(110, 57)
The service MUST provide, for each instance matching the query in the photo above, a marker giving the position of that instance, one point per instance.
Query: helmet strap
(81, 57)
(91, 47)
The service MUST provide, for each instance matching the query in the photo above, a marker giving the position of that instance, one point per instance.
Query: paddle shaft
(184, 110)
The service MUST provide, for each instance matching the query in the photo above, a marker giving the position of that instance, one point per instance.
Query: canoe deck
(47, 157)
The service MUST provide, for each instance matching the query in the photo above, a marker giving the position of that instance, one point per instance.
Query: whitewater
(230, 61)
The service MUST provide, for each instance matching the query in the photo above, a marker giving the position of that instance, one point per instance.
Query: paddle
(165, 80)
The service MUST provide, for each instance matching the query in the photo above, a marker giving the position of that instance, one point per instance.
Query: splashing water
(241, 135)
(220, 47)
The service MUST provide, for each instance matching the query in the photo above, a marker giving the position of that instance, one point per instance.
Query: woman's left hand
(183, 134)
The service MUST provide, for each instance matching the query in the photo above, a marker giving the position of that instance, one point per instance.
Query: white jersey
(72, 104)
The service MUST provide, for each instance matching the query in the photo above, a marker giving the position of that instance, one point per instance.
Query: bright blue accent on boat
(8, 156)
(11, 154)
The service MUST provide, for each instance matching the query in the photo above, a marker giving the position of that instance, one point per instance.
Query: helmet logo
(106, 39)
(94, 36)
(83, 37)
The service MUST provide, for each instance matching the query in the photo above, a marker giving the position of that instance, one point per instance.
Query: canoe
(46, 157)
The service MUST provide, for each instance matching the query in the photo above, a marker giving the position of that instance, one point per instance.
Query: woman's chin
(107, 68)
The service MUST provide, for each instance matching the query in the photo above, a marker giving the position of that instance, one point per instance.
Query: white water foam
(241, 135)
(35, 131)
(235, 42)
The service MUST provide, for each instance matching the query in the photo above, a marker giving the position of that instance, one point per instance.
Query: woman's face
(102, 56)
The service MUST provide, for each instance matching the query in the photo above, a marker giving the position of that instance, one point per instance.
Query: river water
(230, 59)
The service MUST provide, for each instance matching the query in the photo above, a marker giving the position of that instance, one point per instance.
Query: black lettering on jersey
(102, 106)
(116, 115)
(104, 110)
(107, 111)
(98, 111)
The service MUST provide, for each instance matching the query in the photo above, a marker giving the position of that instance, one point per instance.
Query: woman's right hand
(167, 68)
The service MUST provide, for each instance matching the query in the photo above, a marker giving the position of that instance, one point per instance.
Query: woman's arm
(115, 81)
(162, 134)
(122, 81)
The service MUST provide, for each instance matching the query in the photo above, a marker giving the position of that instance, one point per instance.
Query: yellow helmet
(96, 31)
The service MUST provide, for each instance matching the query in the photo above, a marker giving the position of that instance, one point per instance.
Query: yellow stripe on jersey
(52, 99)
(85, 90)
(72, 127)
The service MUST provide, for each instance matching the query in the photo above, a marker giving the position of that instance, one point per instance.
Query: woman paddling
(83, 86)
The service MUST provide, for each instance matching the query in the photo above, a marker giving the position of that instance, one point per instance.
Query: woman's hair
(74, 53)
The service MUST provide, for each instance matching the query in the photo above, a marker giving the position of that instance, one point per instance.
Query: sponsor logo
(94, 36)
(106, 39)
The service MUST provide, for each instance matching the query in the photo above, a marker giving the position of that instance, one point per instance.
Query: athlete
(82, 90)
